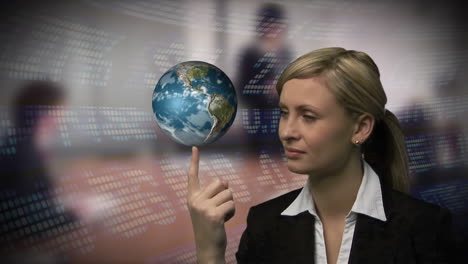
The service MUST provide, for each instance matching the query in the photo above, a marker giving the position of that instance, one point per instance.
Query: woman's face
(313, 122)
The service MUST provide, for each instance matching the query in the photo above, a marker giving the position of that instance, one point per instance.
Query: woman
(354, 208)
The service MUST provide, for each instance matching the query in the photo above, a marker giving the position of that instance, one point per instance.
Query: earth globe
(195, 103)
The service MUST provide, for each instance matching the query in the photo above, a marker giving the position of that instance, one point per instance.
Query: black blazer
(415, 232)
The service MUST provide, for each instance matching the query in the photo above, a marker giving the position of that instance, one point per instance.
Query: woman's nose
(288, 130)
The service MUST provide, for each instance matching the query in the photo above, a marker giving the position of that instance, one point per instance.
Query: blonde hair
(354, 79)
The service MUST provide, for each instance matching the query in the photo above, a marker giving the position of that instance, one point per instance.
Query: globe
(194, 103)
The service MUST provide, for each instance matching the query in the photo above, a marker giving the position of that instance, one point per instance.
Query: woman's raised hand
(210, 208)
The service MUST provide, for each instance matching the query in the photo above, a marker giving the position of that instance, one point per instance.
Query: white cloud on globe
(166, 79)
(200, 118)
(170, 131)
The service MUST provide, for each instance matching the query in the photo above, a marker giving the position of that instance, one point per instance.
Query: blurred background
(88, 176)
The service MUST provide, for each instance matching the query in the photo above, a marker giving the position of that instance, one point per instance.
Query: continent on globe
(194, 103)
(221, 111)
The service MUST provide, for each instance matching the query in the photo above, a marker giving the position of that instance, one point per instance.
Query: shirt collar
(368, 200)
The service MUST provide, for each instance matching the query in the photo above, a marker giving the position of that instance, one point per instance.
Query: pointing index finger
(193, 182)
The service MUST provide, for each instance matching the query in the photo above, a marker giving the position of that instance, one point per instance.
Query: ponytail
(385, 151)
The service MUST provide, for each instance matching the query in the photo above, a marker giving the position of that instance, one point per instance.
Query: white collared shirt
(368, 202)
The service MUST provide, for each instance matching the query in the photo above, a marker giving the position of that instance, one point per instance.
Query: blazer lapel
(373, 241)
(296, 237)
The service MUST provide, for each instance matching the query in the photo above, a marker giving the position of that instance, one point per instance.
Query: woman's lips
(293, 153)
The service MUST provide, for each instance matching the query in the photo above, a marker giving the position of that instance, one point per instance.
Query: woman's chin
(297, 168)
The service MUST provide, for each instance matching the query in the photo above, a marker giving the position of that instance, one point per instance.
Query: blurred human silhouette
(25, 182)
(261, 62)
(22, 167)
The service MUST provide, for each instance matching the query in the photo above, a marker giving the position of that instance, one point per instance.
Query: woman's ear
(363, 128)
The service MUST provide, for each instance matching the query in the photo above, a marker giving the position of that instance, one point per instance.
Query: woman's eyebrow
(301, 107)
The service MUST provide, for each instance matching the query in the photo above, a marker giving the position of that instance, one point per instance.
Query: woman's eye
(282, 113)
(309, 117)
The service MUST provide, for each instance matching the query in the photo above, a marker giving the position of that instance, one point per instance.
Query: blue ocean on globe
(195, 103)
